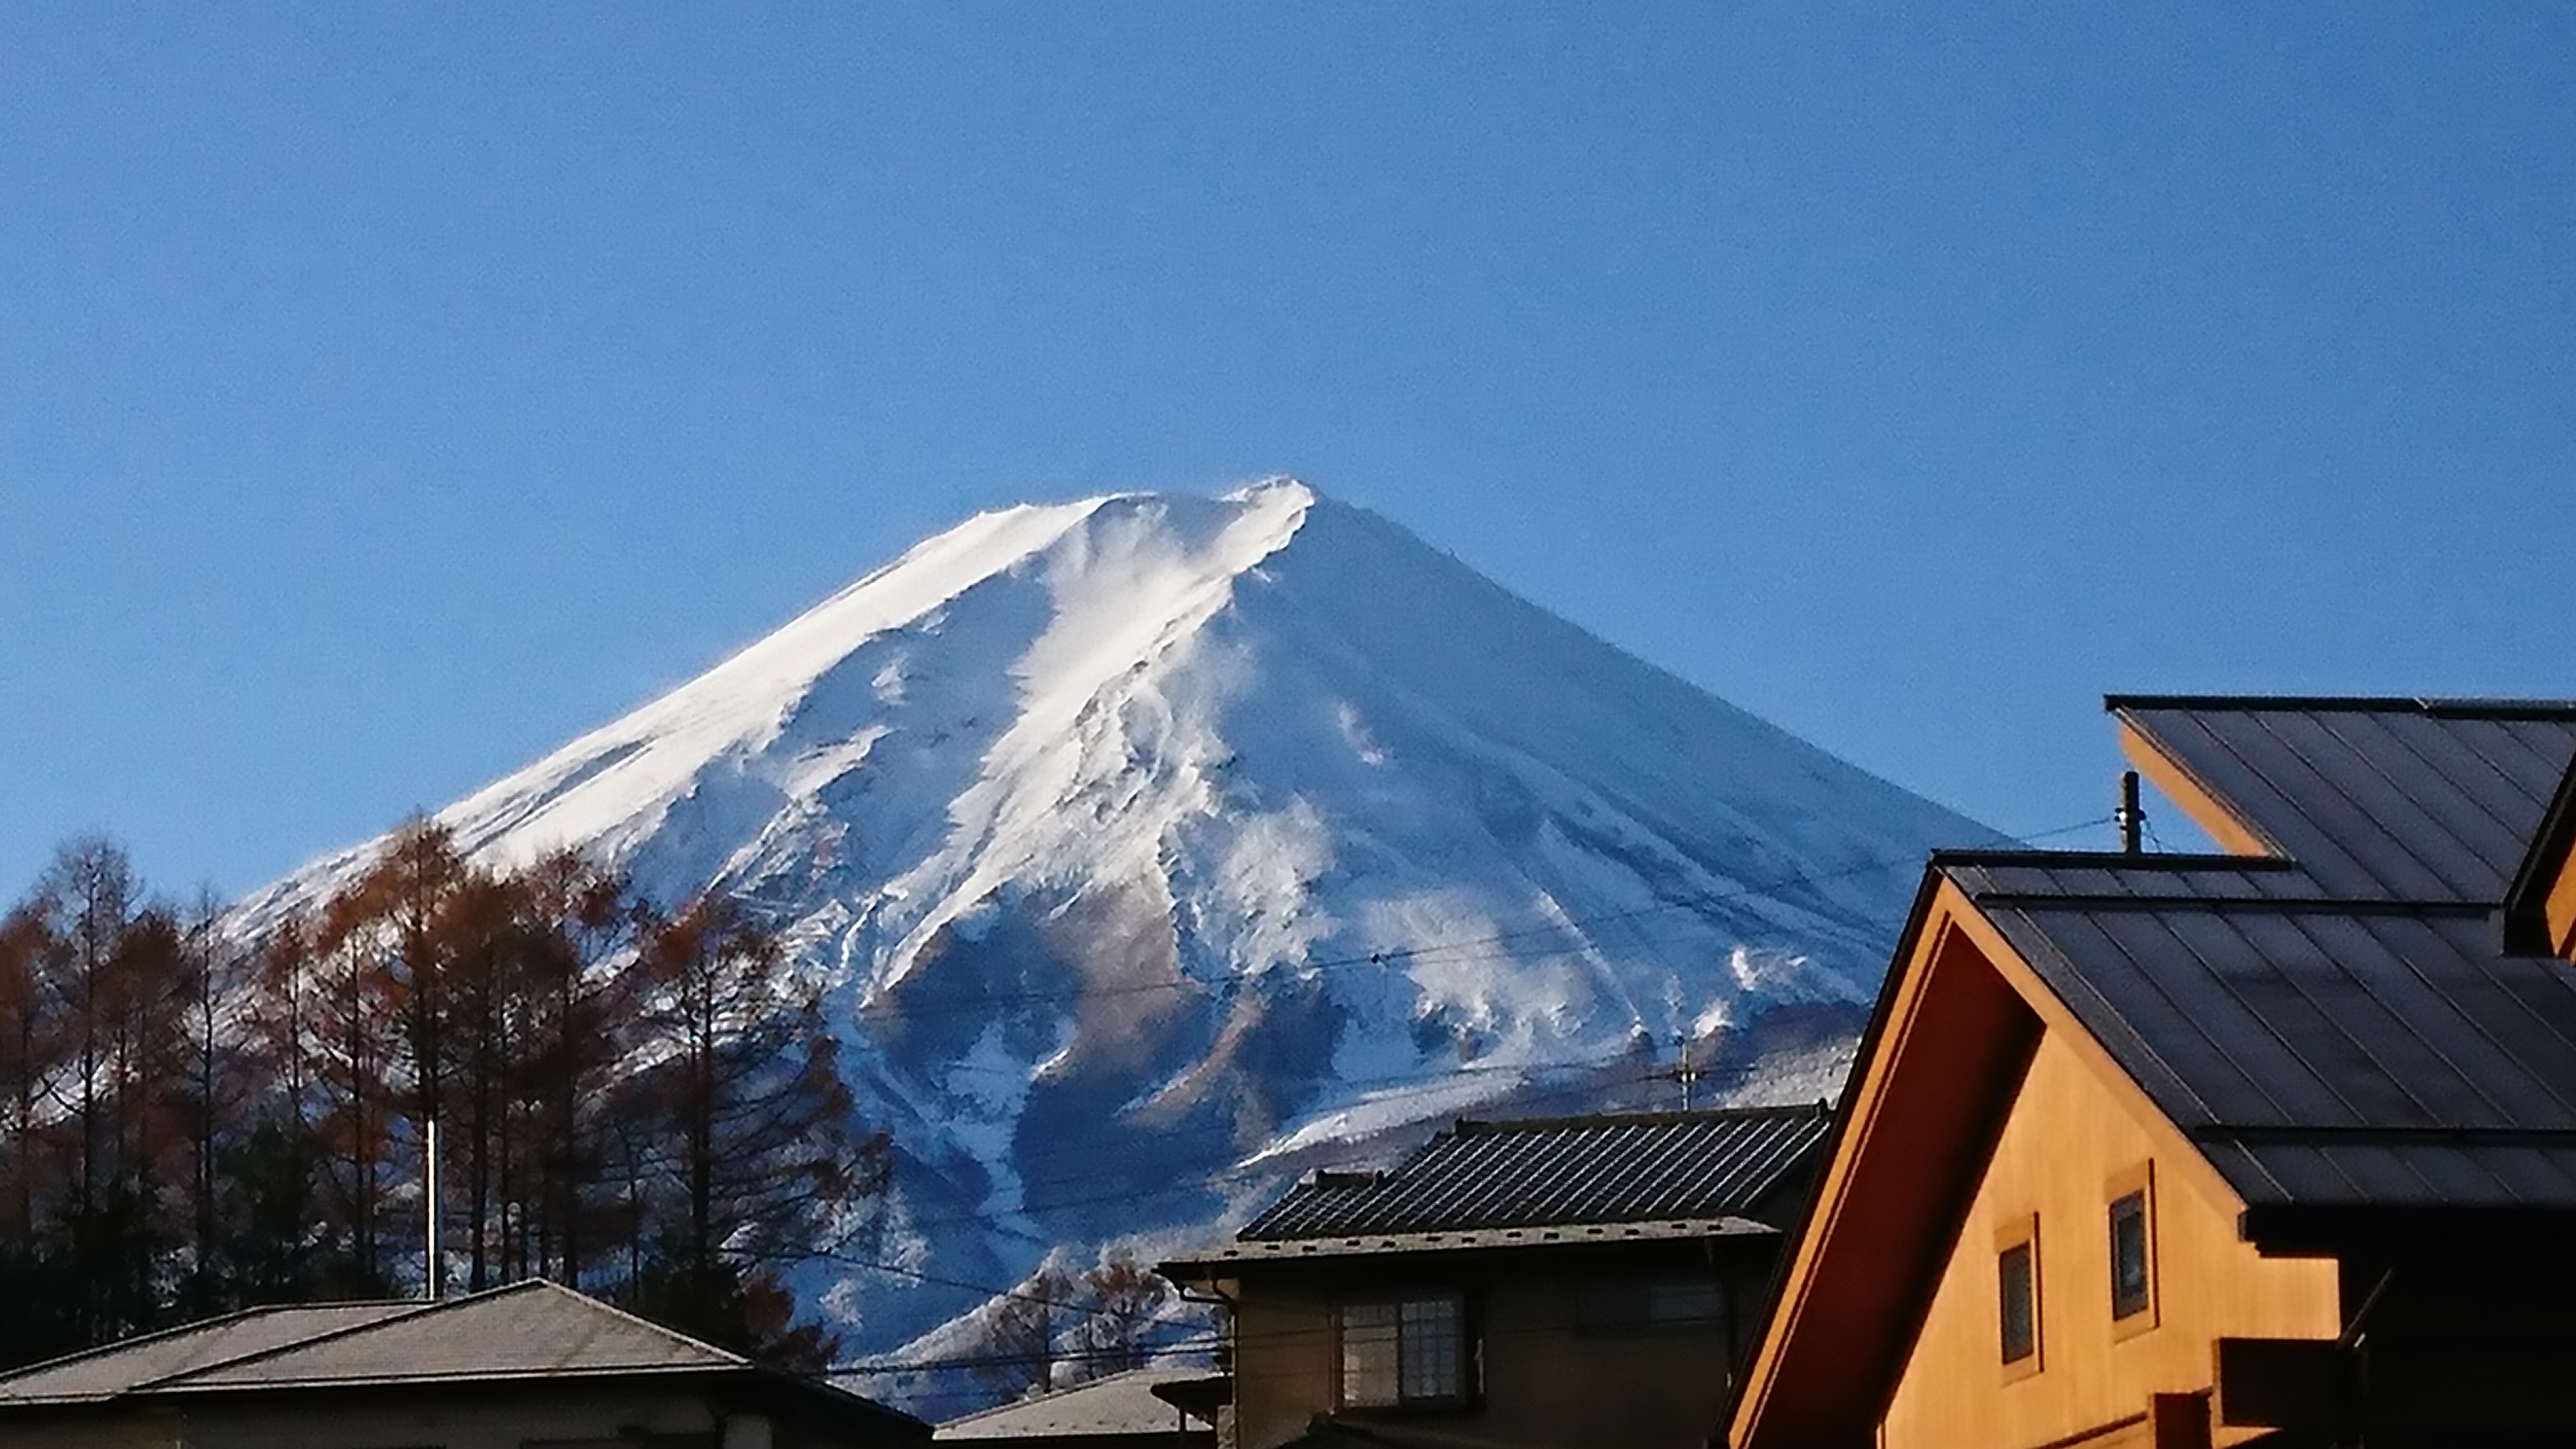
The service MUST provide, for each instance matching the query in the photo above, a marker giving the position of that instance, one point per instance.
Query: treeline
(627, 1100)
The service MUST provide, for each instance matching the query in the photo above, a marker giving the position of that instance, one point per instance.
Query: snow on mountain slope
(1153, 845)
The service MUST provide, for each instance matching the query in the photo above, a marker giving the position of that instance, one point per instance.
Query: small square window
(2017, 1269)
(2132, 1283)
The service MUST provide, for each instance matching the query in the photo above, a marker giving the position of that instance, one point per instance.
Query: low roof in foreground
(1119, 1404)
(529, 1331)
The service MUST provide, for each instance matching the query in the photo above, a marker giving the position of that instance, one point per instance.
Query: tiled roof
(1559, 1171)
(1118, 1404)
(2339, 1027)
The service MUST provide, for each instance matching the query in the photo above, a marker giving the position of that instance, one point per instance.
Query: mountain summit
(1150, 844)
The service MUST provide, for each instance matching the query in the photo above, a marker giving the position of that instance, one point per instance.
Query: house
(2272, 1146)
(1574, 1280)
(529, 1366)
(1139, 1409)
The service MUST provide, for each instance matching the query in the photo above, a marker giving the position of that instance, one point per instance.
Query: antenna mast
(429, 1210)
(1685, 1072)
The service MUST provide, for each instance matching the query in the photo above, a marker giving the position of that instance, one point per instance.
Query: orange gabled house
(2271, 1146)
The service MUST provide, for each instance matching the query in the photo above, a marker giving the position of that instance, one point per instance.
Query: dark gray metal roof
(2340, 1028)
(2401, 799)
(1558, 1172)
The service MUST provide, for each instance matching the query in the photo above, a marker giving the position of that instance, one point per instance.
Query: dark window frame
(2131, 1196)
(1462, 1340)
(2023, 1352)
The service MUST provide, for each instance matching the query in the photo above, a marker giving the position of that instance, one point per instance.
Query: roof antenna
(1685, 1073)
(2131, 819)
(429, 1208)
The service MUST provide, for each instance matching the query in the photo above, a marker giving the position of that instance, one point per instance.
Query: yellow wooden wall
(2069, 1135)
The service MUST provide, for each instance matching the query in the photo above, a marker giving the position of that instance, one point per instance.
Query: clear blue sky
(389, 392)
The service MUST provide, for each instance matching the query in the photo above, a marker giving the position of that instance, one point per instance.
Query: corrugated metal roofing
(1554, 1172)
(1368, 1245)
(2340, 1027)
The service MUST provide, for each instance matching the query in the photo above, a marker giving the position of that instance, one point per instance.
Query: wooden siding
(2070, 1139)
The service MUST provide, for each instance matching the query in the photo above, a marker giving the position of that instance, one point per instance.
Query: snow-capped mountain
(1154, 845)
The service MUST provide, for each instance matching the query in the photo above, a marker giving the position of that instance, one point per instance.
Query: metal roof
(1366, 1245)
(2339, 1027)
(2395, 799)
(1556, 1172)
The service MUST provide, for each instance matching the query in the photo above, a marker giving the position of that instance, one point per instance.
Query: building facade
(1568, 1281)
(2275, 1145)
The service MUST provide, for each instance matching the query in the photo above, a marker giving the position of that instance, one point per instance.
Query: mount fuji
(1153, 847)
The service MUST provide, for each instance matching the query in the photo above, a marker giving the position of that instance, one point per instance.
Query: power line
(1443, 951)
(1408, 1084)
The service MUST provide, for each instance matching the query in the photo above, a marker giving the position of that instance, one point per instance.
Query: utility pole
(2131, 818)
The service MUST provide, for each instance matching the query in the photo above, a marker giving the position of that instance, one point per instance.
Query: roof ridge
(2167, 860)
(604, 1306)
(420, 1309)
(523, 1285)
(2436, 705)
(1481, 1126)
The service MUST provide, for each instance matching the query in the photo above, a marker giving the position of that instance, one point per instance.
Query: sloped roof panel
(530, 1329)
(1606, 1169)
(2399, 1046)
(1118, 1404)
(2386, 799)
(118, 1368)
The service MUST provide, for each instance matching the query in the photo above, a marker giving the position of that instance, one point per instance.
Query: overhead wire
(1449, 952)
(1444, 950)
